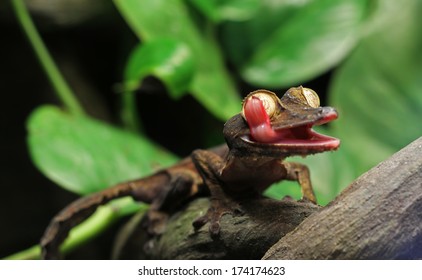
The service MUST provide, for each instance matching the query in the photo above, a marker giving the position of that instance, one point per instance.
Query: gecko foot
(156, 222)
(218, 208)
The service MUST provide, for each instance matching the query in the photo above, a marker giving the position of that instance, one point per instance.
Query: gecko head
(278, 127)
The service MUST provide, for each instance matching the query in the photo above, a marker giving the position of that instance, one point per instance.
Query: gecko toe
(199, 222)
(213, 216)
(214, 229)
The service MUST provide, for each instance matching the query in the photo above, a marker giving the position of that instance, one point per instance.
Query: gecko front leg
(209, 166)
(300, 173)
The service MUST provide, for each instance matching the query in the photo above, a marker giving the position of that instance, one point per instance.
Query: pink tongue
(258, 121)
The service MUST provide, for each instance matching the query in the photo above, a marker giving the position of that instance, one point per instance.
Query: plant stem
(32, 253)
(62, 89)
(128, 112)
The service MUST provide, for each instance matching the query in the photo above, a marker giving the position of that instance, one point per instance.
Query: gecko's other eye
(269, 101)
(310, 97)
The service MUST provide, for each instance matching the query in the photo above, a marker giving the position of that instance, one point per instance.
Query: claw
(217, 209)
(214, 229)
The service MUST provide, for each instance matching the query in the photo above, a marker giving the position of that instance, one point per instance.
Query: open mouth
(299, 136)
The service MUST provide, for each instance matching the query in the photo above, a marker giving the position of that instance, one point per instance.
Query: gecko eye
(310, 97)
(269, 100)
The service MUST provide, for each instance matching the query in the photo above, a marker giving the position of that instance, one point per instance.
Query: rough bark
(379, 216)
(246, 236)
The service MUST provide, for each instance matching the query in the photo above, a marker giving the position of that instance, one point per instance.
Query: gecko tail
(144, 190)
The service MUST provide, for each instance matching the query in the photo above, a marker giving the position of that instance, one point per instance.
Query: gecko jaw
(301, 136)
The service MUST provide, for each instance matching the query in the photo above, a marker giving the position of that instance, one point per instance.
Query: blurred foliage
(371, 47)
(84, 155)
(289, 42)
(160, 19)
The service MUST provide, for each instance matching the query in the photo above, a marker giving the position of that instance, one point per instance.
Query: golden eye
(269, 100)
(311, 97)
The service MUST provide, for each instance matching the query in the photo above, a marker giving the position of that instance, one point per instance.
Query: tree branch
(246, 236)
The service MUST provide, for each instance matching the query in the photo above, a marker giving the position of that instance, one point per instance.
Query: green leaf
(294, 43)
(241, 40)
(156, 19)
(219, 10)
(166, 59)
(84, 155)
(377, 90)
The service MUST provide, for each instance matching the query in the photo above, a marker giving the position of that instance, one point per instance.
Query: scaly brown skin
(267, 131)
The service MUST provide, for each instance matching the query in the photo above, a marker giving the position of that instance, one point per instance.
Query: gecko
(258, 140)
